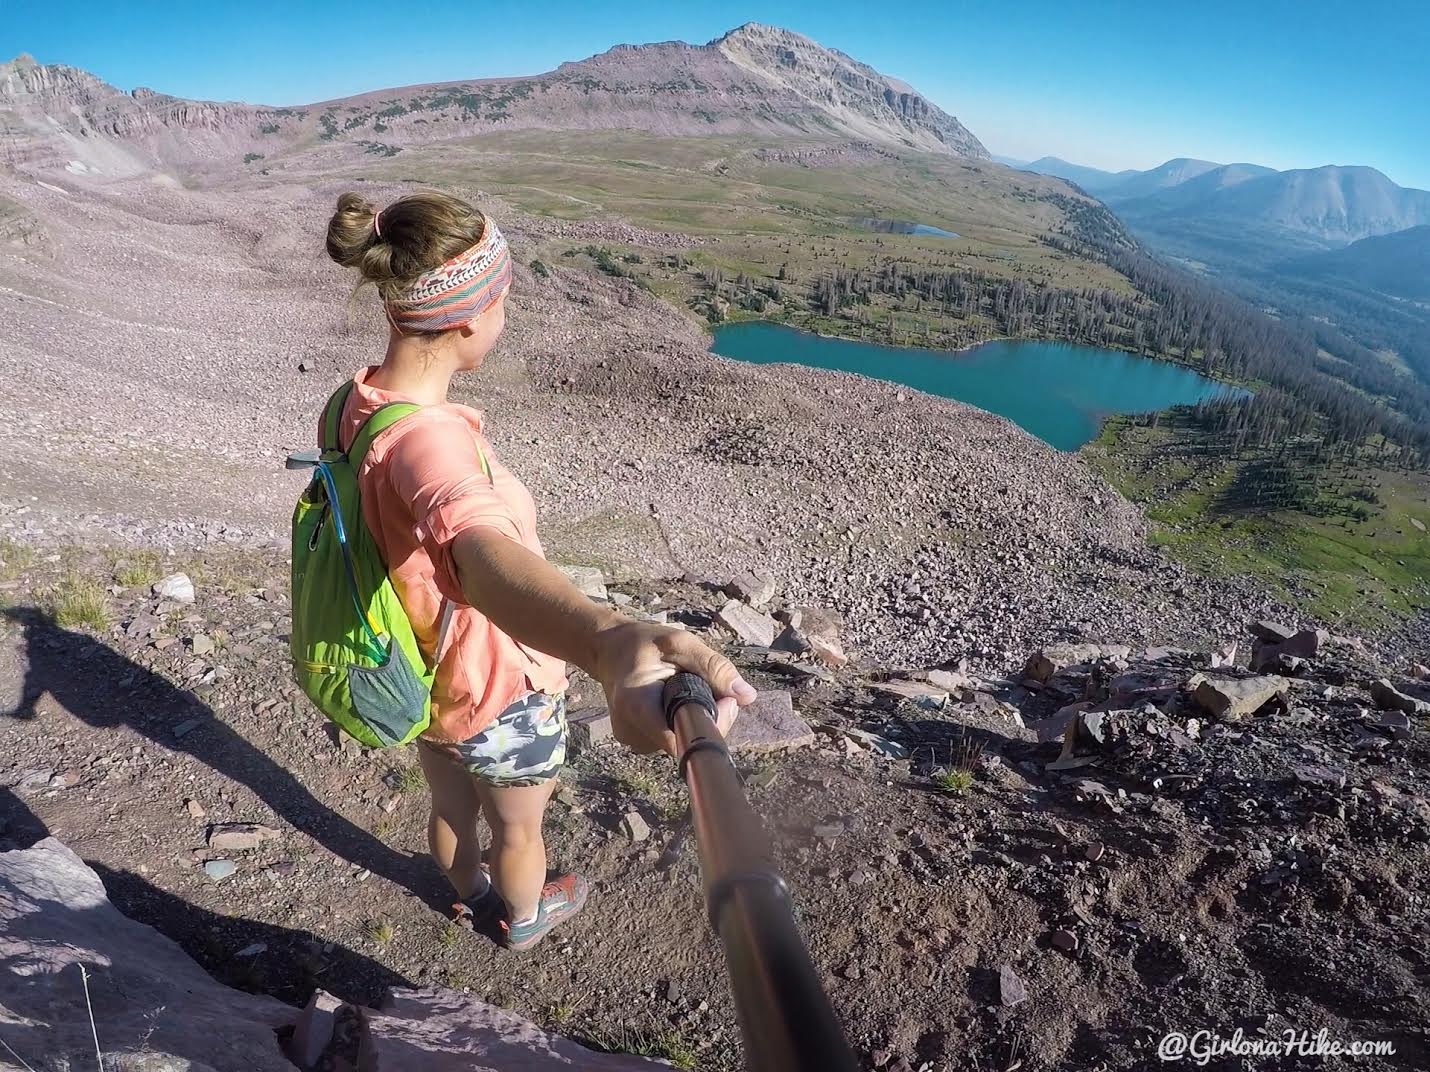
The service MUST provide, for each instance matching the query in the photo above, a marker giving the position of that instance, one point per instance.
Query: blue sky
(1109, 84)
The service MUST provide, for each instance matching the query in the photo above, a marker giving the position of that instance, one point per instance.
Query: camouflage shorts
(526, 745)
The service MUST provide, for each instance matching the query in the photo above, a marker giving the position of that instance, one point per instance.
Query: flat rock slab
(748, 624)
(442, 1031)
(920, 692)
(770, 724)
(240, 837)
(1224, 696)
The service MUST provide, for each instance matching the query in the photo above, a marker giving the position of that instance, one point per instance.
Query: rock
(635, 827)
(770, 724)
(201, 644)
(919, 692)
(1055, 726)
(792, 641)
(1094, 852)
(1064, 940)
(1288, 656)
(749, 625)
(1225, 655)
(240, 837)
(1011, 990)
(33, 780)
(756, 589)
(950, 681)
(590, 726)
(828, 651)
(55, 915)
(177, 588)
(588, 581)
(1045, 662)
(1227, 697)
(440, 1030)
(1319, 775)
(314, 1030)
(218, 870)
(1397, 722)
(882, 745)
(1306, 644)
(196, 810)
(1270, 632)
(818, 622)
(1419, 671)
(1389, 698)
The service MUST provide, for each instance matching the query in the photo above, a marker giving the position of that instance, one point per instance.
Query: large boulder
(1388, 698)
(1290, 654)
(55, 917)
(1234, 697)
(156, 1010)
(1269, 632)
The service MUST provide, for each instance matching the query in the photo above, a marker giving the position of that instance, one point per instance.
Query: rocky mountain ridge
(753, 80)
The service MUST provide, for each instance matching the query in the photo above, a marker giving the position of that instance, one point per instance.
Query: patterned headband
(457, 291)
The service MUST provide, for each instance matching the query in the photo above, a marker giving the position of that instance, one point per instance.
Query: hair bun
(351, 231)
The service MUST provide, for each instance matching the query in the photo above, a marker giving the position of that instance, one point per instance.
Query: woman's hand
(632, 662)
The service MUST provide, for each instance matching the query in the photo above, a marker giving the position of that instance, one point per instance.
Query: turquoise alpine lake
(1057, 391)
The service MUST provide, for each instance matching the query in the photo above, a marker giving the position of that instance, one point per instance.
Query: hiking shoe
(481, 907)
(560, 900)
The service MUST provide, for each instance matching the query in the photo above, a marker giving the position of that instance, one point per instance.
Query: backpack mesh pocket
(390, 699)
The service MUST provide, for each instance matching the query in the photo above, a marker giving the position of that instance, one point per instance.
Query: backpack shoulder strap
(333, 416)
(382, 419)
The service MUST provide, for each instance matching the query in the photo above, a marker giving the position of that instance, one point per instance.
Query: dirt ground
(1267, 876)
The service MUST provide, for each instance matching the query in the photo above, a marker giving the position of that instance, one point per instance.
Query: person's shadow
(106, 690)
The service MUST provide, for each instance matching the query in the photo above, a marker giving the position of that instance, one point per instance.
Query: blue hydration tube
(376, 649)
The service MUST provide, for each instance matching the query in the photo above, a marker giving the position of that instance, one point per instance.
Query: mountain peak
(760, 31)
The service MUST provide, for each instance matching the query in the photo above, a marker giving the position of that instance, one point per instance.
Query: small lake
(1057, 391)
(905, 227)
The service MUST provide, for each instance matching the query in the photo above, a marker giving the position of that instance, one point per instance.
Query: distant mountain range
(1341, 246)
(1331, 205)
(753, 80)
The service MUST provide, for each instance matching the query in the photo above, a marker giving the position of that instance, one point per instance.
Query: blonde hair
(418, 232)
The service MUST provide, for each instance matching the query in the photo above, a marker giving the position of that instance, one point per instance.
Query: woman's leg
(452, 826)
(518, 856)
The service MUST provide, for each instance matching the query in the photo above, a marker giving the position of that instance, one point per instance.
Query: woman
(458, 533)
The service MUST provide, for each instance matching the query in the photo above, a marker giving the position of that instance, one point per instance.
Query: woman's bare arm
(531, 600)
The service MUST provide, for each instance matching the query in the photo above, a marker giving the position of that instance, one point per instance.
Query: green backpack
(354, 651)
